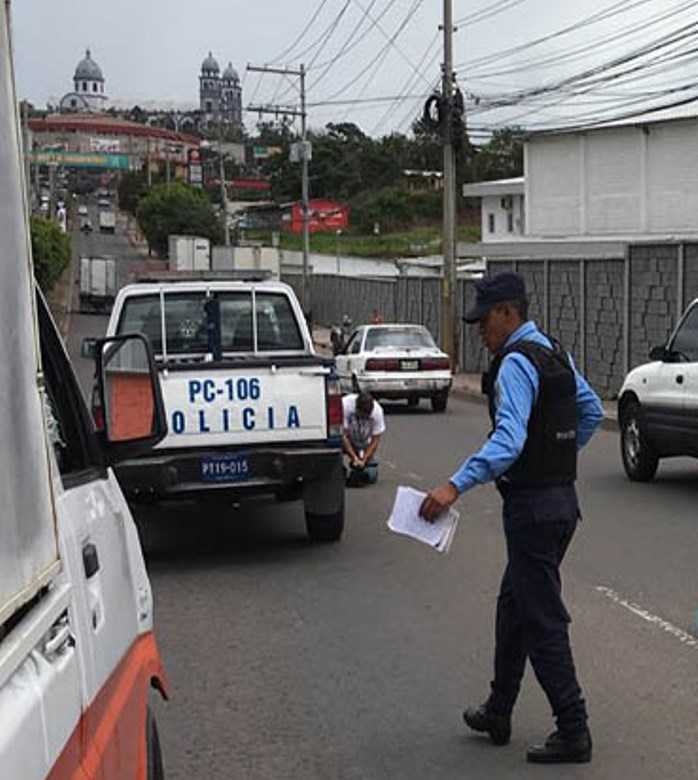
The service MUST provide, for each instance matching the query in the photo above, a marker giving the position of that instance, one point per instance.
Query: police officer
(542, 411)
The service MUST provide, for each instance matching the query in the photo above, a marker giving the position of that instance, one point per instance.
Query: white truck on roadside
(251, 407)
(97, 283)
(189, 253)
(107, 222)
(78, 658)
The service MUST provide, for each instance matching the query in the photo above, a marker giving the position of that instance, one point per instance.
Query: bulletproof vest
(549, 456)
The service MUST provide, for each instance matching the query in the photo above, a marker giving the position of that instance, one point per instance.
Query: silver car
(397, 361)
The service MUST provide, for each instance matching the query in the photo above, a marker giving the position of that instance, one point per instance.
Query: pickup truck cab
(251, 408)
(78, 657)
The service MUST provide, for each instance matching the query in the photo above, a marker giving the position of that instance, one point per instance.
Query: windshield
(186, 322)
(400, 338)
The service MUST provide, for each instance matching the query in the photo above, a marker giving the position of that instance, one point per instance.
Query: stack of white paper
(405, 519)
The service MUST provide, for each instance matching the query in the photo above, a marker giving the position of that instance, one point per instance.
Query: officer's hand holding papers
(406, 519)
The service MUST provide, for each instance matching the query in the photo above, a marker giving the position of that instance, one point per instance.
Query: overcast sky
(151, 50)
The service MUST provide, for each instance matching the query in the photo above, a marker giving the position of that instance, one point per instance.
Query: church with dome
(88, 88)
(220, 94)
(220, 99)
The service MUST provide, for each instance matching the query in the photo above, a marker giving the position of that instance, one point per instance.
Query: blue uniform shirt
(516, 392)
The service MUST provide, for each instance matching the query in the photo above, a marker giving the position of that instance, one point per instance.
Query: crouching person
(364, 424)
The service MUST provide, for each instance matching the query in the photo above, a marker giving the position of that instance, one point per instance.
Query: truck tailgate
(216, 407)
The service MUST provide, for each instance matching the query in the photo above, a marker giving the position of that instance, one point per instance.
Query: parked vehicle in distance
(189, 253)
(107, 222)
(251, 408)
(104, 203)
(396, 361)
(658, 403)
(86, 225)
(82, 210)
(97, 283)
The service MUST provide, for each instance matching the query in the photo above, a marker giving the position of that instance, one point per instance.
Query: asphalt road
(353, 661)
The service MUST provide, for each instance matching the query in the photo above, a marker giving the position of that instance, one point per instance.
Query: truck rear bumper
(270, 470)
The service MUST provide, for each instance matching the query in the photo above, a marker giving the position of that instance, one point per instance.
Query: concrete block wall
(565, 306)
(690, 274)
(653, 297)
(604, 367)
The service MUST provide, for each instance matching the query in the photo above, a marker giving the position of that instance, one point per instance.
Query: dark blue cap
(491, 290)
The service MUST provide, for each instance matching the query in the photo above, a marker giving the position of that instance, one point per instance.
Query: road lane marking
(636, 609)
(414, 476)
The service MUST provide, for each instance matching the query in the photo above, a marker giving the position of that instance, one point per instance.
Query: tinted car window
(398, 337)
(686, 339)
(277, 328)
(186, 322)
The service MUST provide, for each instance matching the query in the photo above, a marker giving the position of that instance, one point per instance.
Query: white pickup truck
(251, 408)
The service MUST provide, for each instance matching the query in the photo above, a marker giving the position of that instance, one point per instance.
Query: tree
(501, 157)
(177, 209)
(51, 250)
(133, 185)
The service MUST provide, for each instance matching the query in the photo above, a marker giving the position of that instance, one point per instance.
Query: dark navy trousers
(532, 621)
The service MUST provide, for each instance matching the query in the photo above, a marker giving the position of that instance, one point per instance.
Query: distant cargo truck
(189, 253)
(107, 222)
(97, 283)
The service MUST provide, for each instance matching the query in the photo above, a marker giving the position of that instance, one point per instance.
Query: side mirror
(659, 353)
(129, 397)
(88, 348)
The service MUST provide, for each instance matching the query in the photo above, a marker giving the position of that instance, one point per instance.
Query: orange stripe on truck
(109, 741)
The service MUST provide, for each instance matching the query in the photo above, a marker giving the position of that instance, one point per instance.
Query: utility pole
(224, 194)
(305, 159)
(449, 333)
(304, 197)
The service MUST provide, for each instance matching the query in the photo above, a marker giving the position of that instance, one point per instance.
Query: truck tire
(640, 459)
(156, 768)
(439, 401)
(325, 528)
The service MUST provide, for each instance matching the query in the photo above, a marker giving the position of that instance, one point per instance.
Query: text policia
(217, 417)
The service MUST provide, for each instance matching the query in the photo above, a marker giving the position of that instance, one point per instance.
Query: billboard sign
(196, 171)
(115, 162)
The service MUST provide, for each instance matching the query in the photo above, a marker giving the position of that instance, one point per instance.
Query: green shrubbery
(51, 249)
(394, 209)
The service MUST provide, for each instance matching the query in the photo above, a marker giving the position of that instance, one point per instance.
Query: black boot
(485, 720)
(561, 749)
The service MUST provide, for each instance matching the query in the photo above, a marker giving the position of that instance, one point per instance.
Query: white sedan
(396, 361)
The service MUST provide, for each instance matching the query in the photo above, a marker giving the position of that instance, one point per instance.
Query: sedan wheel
(639, 457)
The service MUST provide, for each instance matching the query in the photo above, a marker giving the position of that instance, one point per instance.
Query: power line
(302, 34)
(391, 42)
(615, 8)
(345, 46)
(487, 13)
(374, 22)
(573, 54)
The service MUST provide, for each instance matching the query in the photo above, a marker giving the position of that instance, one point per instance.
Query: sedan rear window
(400, 338)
